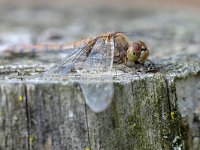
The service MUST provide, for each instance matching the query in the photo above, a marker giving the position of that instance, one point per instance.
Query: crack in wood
(27, 115)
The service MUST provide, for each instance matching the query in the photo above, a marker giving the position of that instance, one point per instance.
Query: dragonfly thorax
(121, 45)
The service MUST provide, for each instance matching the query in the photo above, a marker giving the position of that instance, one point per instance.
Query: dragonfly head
(134, 51)
(144, 53)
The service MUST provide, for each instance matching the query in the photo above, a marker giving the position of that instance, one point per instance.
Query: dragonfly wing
(96, 78)
(69, 63)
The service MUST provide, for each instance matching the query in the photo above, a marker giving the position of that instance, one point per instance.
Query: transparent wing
(71, 62)
(96, 77)
(95, 60)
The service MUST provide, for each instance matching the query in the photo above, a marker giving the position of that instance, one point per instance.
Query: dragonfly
(93, 60)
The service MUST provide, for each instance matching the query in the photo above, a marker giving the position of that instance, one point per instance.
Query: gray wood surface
(148, 111)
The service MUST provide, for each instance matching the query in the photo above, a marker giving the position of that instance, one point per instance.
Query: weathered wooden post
(149, 111)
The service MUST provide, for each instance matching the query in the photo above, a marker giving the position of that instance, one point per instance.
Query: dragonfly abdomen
(28, 49)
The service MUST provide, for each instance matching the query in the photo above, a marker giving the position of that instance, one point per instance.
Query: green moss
(136, 122)
(148, 112)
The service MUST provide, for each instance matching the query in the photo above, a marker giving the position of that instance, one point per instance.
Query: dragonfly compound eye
(143, 46)
(136, 47)
(143, 56)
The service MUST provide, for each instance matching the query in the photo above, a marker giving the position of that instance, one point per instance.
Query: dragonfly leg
(124, 58)
(146, 68)
(124, 68)
(136, 66)
(151, 66)
(127, 69)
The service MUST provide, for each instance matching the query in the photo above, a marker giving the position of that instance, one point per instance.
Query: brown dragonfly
(93, 60)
